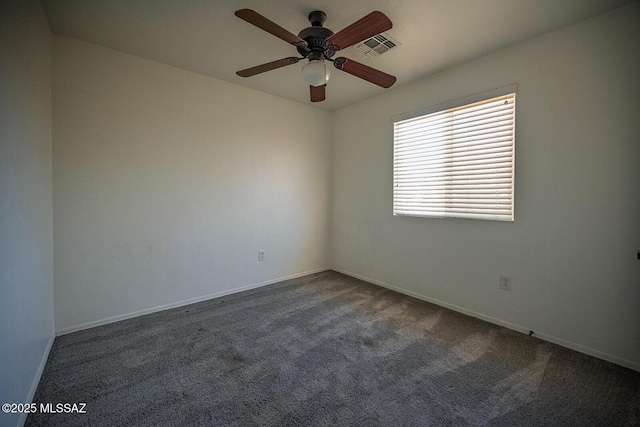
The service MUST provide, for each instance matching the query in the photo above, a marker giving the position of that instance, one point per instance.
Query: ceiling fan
(318, 44)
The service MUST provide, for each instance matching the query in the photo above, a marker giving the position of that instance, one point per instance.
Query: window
(457, 160)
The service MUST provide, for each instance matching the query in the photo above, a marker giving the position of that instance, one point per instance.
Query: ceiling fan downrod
(315, 36)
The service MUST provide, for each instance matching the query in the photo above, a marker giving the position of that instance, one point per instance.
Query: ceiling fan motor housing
(315, 36)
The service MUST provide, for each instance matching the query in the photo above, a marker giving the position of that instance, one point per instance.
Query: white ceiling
(205, 36)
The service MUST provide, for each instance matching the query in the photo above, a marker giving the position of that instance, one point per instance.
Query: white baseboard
(546, 337)
(181, 303)
(36, 379)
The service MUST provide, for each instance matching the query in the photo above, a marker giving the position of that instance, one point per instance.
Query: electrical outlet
(505, 283)
(260, 255)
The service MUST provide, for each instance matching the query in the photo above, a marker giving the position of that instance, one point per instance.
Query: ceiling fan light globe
(315, 73)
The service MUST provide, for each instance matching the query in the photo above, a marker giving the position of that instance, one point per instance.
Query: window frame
(442, 108)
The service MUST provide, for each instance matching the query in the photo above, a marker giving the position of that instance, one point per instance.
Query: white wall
(167, 183)
(571, 251)
(26, 236)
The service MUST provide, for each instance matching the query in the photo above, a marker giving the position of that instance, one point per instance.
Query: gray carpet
(326, 350)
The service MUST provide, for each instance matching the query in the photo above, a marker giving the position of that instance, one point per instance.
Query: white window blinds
(457, 162)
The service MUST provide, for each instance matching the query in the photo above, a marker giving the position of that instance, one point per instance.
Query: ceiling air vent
(378, 44)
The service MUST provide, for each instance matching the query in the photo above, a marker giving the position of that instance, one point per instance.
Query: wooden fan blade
(364, 72)
(253, 17)
(317, 93)
(372, 24)
(267, 67)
